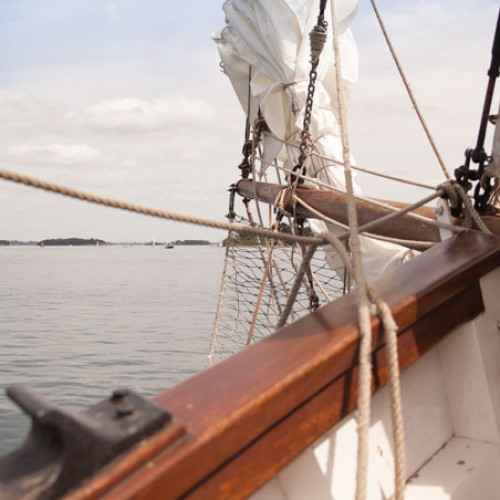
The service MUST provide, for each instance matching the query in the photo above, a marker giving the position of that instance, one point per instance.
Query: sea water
(77, 322)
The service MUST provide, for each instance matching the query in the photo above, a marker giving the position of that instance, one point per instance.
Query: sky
(125, 98)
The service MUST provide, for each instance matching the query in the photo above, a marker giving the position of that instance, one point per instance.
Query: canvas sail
(265, 45)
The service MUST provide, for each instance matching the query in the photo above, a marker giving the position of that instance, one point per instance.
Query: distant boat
(169, 245)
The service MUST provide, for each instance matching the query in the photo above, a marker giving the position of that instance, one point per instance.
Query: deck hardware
(443, 214)
(64, 448)
(465, 174)
(231, 214)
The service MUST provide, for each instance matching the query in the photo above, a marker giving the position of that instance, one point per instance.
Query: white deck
(451, 405)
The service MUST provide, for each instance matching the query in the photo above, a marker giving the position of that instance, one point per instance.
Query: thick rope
(390, 327)
(391, 343)
(364, 390)
(390, 332)
(469, 208)
(410, 92)
(153, 212)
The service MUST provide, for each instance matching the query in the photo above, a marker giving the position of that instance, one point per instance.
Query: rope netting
(256, 282)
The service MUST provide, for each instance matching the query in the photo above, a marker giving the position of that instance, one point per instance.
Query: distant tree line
(71, 241)
(248, 240)
(192, 242)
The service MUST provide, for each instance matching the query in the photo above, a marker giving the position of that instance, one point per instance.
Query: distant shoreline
(98, 242)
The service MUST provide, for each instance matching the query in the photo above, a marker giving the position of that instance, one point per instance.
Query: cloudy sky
(125, 98)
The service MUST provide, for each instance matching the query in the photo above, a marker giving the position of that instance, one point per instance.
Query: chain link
(317, 40)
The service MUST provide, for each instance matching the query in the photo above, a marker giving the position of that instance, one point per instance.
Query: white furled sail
(266, 44)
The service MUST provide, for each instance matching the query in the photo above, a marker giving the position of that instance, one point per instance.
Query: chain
(317, 39)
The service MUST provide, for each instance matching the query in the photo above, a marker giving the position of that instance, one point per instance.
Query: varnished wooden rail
(250, 415)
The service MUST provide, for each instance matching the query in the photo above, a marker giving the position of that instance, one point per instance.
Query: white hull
(451, 406)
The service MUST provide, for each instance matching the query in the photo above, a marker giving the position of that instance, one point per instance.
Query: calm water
(76, 322)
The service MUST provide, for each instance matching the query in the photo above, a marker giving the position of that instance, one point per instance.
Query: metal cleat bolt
(124, 411)
(119, 394)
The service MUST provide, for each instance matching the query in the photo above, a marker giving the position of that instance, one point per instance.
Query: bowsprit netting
(256, 283)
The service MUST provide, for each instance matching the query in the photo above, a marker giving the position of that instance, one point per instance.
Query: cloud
(136, 115)
(53, 154)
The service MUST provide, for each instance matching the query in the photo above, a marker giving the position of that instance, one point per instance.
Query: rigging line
(247, 123)
(259, 214)
(152, 212)
(408, 243)
(406, 210)
(217, 320)
(317, 182)
(431, 222)
(250, 218)
(277, 269)
(261, 291)
(354, 167)
(321, 287)
(393, 178)
(364, 355)
(296, 285)
(470, 209)
(410, 92)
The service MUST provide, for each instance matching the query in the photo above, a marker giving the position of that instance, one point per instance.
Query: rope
(276, 268)
(407, 211)
(354, 167)
(296, 286)
(153, 212)
(408, 243)
(215, 329)
(261, 291)
(390, 332)
(410, 92)
(470, 209)
(364, 390)
(403, 211)
(391, 342)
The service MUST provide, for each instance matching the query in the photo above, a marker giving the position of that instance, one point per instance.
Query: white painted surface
(451, 407)
(464, 469)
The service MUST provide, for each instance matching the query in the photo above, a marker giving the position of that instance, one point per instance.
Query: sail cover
(265, 51)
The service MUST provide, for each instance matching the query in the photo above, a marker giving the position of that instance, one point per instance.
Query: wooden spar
(334, 206)
(250, 415)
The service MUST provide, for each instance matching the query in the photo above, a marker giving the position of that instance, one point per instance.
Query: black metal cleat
(64, 448)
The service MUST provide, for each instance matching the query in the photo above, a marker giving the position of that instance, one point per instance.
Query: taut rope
(365, 331)
(410, 93)
(153, 212)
